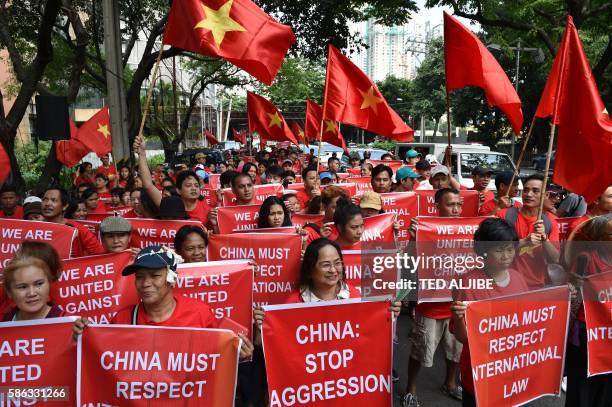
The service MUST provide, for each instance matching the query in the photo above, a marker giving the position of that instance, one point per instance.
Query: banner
(363, 184)
(517, 345)
(566, 226)
(445, 248)
(349, 188)
(93, 286)
(277, 256)
(38, 361)
(214, 181)
(393, 164)
(377, 229)
(281, 229)
(334, 353)
(261, 192)
(93, 226)
(210, 196)
(427, 207)
(405, 205)
(14, 231)
(300, 219)
(140, 365)
(236, 218)
(364, 271)
(597, 297)
(147, 232)
(226, 286)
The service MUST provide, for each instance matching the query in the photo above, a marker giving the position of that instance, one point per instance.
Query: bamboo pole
(546, 169)
(150, 91)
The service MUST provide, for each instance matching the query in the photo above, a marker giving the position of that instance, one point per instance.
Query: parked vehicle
(539, 161)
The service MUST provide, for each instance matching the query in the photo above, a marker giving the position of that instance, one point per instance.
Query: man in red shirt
(505, 195)
(539, 238)
(155, 268)
(107, 169)
(312, 186)
(54, 203)
(482, 177)
(382, 176)
(432, 322)
(9, 202)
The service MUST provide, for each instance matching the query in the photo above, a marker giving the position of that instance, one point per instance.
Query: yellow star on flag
(219, 22)
(370, 99)
(330, 126)
(301, 133)
(275, 120)
(527, 250)
(103, 128)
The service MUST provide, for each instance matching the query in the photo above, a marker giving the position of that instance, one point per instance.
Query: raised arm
(144, 172)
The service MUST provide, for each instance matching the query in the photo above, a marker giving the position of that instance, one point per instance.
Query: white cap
(31, 199)
(432, 159)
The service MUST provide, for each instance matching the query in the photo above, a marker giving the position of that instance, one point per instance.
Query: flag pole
(546, 169)
(448, 130)
(520, 159)
(320, 140)
(150, 90)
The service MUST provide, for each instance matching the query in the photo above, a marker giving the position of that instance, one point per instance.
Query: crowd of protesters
(111, 195)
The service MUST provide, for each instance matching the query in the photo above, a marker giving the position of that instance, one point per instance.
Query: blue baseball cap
(152, 257)
(405, 172)
(412, 153)
(325, 174)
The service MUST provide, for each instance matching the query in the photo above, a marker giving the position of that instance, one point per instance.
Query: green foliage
(31, 161)
(388, 145)
(156, 160)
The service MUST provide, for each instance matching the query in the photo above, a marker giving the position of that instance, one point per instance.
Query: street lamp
(538, 58)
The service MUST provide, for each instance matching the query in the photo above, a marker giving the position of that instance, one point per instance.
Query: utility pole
(114, 81)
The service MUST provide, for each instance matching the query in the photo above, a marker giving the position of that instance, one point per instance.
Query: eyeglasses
(327, 266)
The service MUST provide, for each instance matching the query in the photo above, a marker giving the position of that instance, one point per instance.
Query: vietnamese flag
(212, 140)
(5, 164)
(267, 121)
(239, 136)
(70, 152)
(468, 63)
(95, 133)
(235, 30)
(351, 97)
(331, 133)
(573, 102)
(298, 133)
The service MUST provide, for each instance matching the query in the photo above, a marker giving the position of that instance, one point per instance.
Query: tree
(400, 94)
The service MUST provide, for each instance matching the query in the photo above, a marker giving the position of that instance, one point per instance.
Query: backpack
(512, 216)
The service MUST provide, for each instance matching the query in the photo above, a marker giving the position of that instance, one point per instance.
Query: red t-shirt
(434, 310)
(83, 180)
(489, 206)
(108, 171)
(189, 312)
(86, 243)
(488, 195)
(302, 198)
(530, 260)
(517, 285)
(131, 214)
(17, 213)
(200, 212)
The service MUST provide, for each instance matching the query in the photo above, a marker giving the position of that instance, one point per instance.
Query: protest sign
(566, 225)
(93, 286)
(427, 206)
(363, 184)
(445, 248)
(517, 345)
(147, 232)
(92, 225)
(14, 231)
(300, 219)
(364, 271)
(139, 365)
(405, 205)
(597, 297)
(261, 192)
(377, 229)
(38, 359)
(226, 286)
(236, 218)
(393, 164)
(277, 256)
(335, 352)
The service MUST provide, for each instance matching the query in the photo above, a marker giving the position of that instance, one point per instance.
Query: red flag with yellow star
(298, 133)
(351, 97)
(235, 30)
(331, 133)
(239, 136)
(266, 119)
(70, 152)
(95, 133)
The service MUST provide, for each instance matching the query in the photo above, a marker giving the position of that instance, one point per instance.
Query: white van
(463, 159)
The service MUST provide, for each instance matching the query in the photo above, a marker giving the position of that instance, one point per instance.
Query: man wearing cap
(32, 209)
(155, 269)
(200, 159)
(412, 157)
(482, 177)
(370, 204)
(505, 195)
(440, 178)
(406, 179)
(326, 177)
(115, 233)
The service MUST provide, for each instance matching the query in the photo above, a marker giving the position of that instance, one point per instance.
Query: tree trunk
(436, 123)
(50, 173)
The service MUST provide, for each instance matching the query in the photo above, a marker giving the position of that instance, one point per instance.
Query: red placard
(363, 267)
(147, 232)
(281, 229)
(214, 181)
(237, 218)
(300, 219)
(93, 226)
(363, 184)
(277, 256)
(376, 229)
(427, 206)
(39, 353)
(405, 205)
(125, 365)
(99, 216)
(295, 187)
(446, 249)
(393, 164)
(517, 345)
(566, 225)
(261, 193)
(210, 196)
(597, 296)
(14, 231)
(93, 286)
(336, 353)
(349, 187)
(226, 286)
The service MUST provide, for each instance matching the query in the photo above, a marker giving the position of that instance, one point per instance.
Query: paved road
(430, 379)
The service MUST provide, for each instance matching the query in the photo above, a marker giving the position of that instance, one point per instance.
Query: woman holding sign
(155, 270)
(273, 214)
